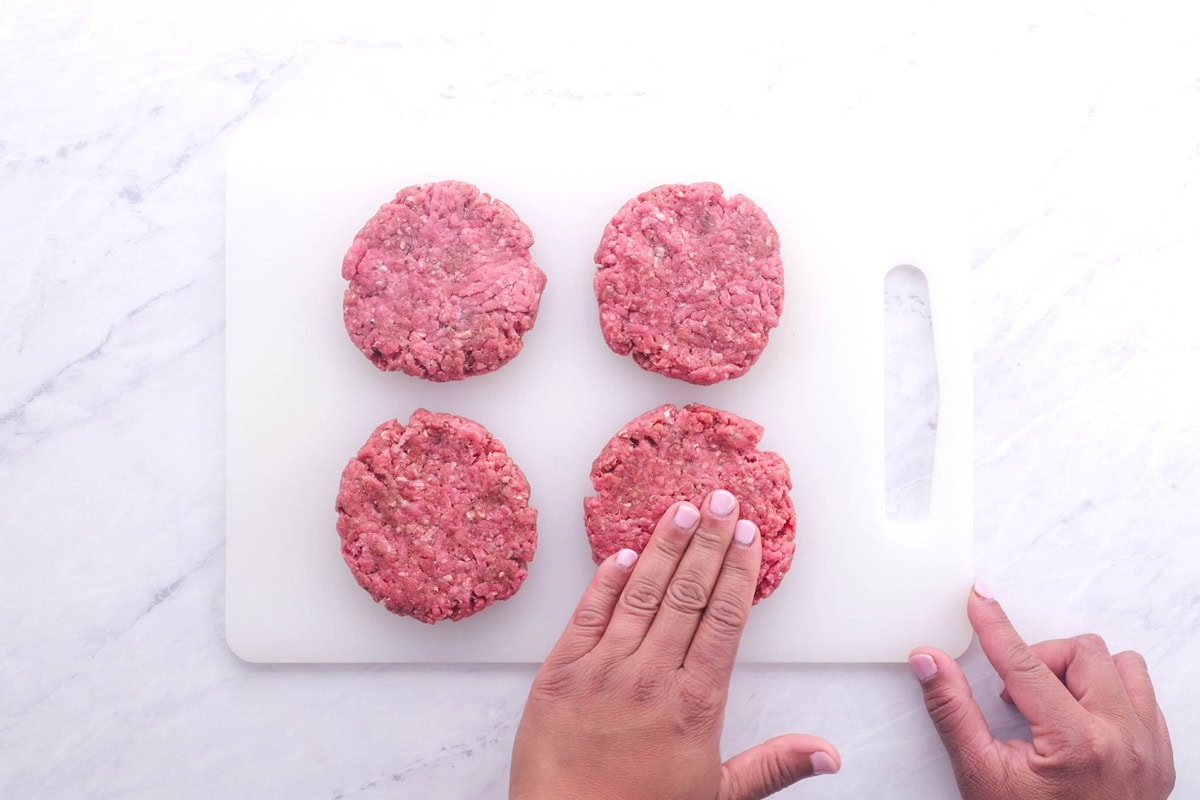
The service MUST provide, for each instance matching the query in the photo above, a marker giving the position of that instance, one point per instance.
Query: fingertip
(745, 532)
(983, 610)
(982, 590)
(934, 669)
(625, 558)
(998, 637)
(824, 764)
(923, 666)
(686, 516)
(613, 573)
(722, 503)
(932, 652)
(823, 757)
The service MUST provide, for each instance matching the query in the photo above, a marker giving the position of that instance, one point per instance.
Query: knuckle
(642, 597)
(687, 594)
(644, 687)
(1132, 658)
(726, 616)
(1168, 779)
(596, 676)
(1022, 660)
(699, 705)
(670, 545)
(1090, 751)
(554, 682)
(1136, 758)
(590, 617)
(743, 570)
(779, 772)
(711, 539)
(1091, 642)
(945, 709)
(1100, 751)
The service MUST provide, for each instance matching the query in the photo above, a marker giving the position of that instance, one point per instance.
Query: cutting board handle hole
(910, 396)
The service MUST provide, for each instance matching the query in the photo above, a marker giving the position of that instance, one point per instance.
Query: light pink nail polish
(744, 532)
(626, 558)
(923, 666)
(686, 516)
(721, 503)
(823, 763)
(983, 590)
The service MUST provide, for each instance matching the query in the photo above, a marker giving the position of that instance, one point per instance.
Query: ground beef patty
(442, 285)
(671, 454)
(689, 282)
(435, 518)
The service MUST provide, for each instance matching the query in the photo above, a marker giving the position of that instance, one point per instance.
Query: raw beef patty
(435, 518)
(672, 454)
(442, 285)
(689, 282)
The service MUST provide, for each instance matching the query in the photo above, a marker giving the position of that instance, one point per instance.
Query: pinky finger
(595, 609)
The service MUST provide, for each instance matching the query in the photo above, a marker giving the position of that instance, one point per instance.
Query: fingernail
(744, 532)
(823, 763)
(626, 558)
(923, 666)
(686, 516)
(983, 590)
(721, 503)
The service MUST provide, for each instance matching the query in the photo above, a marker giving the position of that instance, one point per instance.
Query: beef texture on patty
(441, 283)
(672, 454)
(689, 282)
(434, 518)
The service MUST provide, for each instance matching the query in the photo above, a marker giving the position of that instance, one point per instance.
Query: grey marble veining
(1084, 134)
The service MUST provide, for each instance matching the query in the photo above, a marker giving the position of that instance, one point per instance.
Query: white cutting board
(302, 399)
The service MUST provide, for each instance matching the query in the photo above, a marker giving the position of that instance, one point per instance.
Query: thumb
(955, 714)
(776, 764)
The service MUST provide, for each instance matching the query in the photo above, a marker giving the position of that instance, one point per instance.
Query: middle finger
(692, 585)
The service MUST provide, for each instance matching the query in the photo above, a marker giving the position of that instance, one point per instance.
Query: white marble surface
(1084, 133)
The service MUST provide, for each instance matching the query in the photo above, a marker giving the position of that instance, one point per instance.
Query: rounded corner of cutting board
(242, 646)
(958, 647)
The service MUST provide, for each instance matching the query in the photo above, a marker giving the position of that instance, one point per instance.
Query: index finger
(1037, 691)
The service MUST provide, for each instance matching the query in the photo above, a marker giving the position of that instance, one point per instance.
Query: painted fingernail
(686, 516)
(923, 666)
(626, 558)
(721, 503)
(823, 763)
(744, 532)
(983, 590)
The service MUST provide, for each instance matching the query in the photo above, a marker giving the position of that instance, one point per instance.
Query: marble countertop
(1083, 127)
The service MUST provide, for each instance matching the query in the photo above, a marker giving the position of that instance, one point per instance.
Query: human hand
(631, 700)
(1098, 733)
